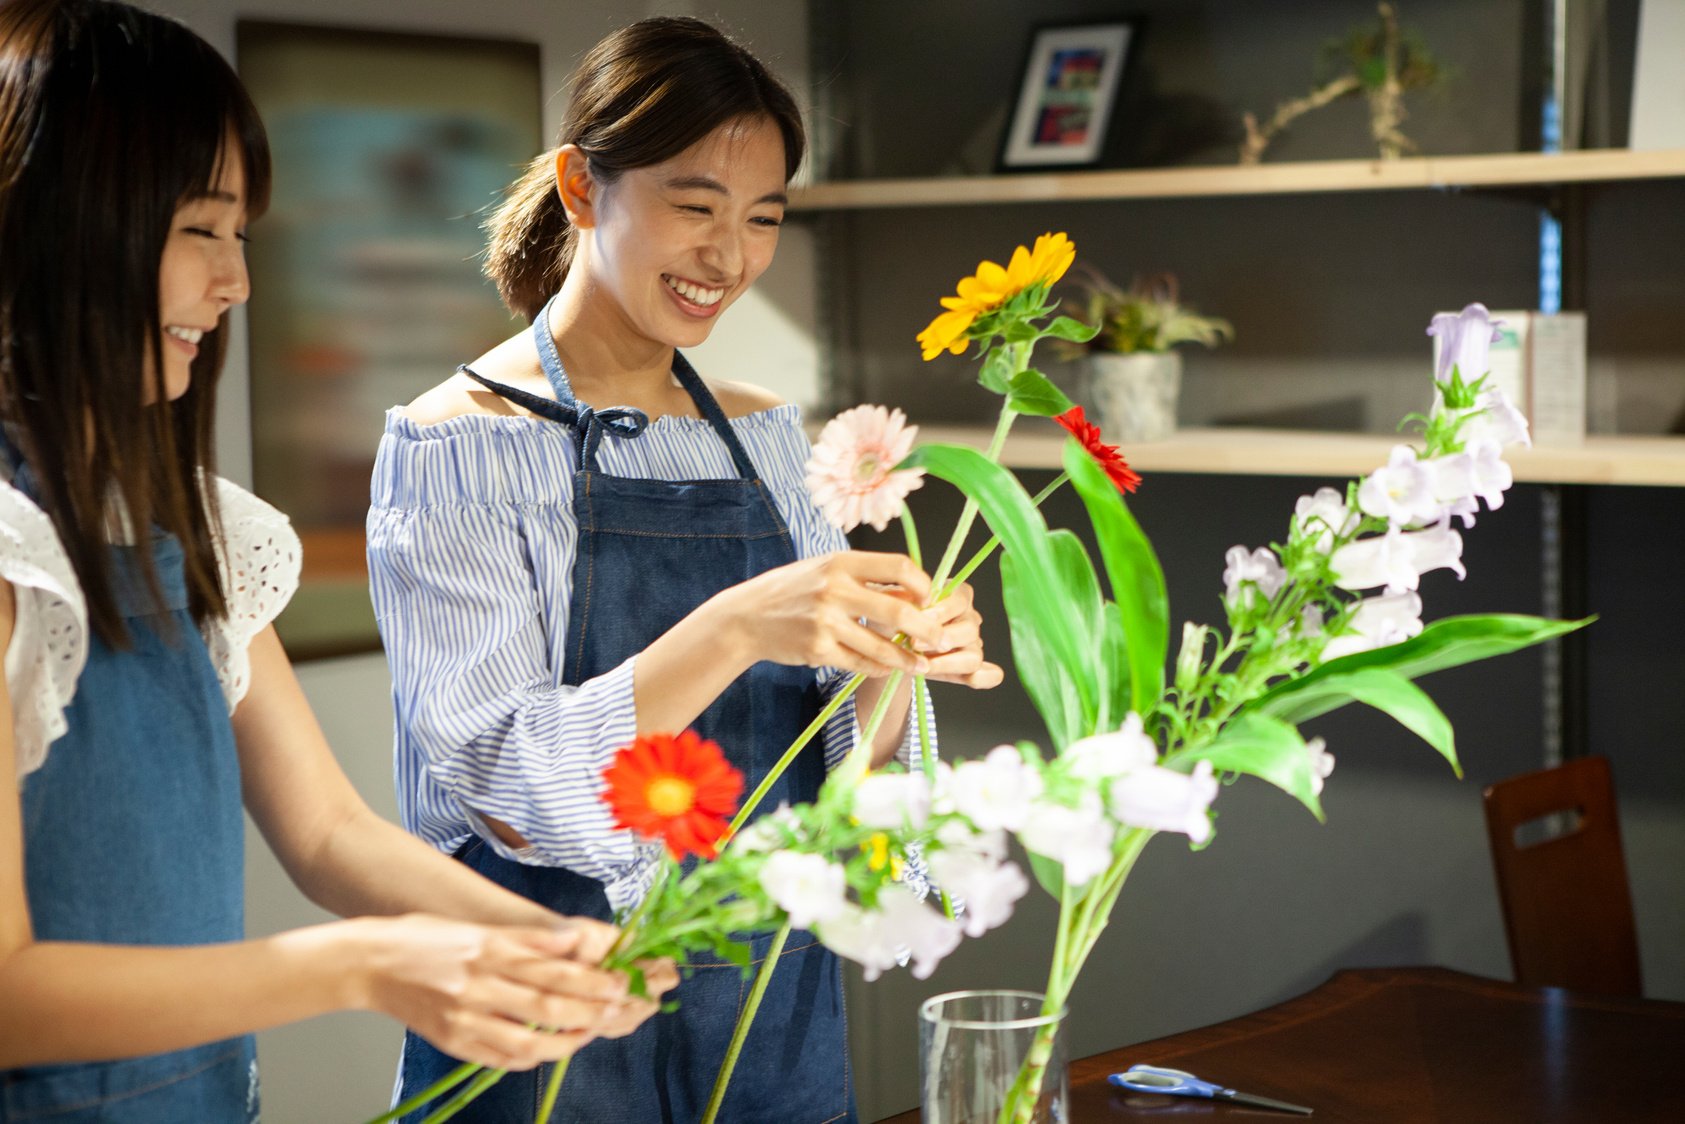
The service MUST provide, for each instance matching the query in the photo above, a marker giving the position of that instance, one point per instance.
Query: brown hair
(110, 118)
(643, 95)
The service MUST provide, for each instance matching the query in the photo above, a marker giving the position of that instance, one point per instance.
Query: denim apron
(133, 835)
(650, 552)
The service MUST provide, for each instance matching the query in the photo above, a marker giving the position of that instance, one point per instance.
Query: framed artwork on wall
(366, 287)
(1066, 95)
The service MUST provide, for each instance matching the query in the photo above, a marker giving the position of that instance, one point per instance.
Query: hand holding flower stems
(832, 866)
(856, 472)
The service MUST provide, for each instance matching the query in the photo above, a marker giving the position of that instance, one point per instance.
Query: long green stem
(968, 513)
(741, 1033)
(634, 920)
(993, 544)
(927, 759)
(783, 763)
(438, 1089)
(1082, 918)
(456, 1104)
(552, 1090)
(1026, 1088)
(1098, 903)
(912, 532)
(863, 749)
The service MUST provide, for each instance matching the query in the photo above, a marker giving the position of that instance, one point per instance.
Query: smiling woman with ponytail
(578, 539)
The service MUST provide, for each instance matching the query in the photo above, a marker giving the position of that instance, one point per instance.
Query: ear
(575, 186)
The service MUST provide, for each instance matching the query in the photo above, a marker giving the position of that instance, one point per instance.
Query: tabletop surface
(1416, 1044)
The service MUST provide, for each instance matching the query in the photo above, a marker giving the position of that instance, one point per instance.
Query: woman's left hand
(959, 657)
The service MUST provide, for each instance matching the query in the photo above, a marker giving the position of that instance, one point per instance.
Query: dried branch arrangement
(1381, 63)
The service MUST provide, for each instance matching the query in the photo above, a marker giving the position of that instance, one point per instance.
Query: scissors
(1176, 1083)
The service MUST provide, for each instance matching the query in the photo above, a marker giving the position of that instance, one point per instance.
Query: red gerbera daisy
(680, 790)
(1117, 469)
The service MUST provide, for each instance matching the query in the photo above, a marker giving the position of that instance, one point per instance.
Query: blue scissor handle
(1173, 1082)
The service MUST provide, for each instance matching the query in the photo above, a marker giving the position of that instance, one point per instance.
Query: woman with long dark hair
(145, 692)
(578, 538)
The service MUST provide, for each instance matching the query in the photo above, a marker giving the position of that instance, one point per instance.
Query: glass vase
(992, 1057)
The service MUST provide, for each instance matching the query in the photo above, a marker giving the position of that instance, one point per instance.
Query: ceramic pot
(1133, 397)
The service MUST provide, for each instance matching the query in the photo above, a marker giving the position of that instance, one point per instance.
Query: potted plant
(1134, 373)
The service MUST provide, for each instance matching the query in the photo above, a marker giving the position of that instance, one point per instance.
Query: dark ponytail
(643, 95)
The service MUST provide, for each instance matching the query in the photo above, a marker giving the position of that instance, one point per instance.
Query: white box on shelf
(1508, 358)
(1556, 378)
(1539, 362)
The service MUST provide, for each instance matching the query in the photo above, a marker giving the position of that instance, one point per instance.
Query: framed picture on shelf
(366, 287)
(1066, 95)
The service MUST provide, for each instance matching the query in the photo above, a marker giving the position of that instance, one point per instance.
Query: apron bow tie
(622, 421)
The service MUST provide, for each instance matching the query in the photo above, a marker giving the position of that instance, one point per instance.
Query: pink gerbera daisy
(852, 472)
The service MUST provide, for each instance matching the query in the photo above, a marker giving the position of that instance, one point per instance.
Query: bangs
(206, 118)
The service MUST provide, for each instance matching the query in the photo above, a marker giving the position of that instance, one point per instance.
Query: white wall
(341, 1067)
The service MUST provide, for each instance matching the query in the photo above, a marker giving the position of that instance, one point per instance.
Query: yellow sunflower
(992, 286)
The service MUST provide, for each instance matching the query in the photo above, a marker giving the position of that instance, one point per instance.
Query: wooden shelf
(1658, 461)
(1516, 169)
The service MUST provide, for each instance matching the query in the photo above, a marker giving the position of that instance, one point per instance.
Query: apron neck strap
(549, 358)
(710, 409)
(623, 420)
(588, 424)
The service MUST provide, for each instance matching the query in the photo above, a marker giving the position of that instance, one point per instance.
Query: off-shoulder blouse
(472, 538)
(259, 555)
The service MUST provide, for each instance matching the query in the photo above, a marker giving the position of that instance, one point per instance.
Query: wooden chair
(1566, 903)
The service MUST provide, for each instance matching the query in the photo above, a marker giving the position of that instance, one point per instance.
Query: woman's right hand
(809, 613)
(472, 990)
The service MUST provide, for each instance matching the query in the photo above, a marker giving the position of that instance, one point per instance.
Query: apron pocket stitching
(152, 1088)
(683, 534)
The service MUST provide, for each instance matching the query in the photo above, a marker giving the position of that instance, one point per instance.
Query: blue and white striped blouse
(471, 538)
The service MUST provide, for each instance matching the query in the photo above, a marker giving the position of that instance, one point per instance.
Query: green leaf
(1116, 690)
(1068, 328)
(1450, 642)
(1032, 392)
(1019, 331)
(1085, 619)
(1012, 515)
(1050, 874)
(1386, 691)
(997, 370)
(1039, 670)
(1133, 569)
(1259, 746)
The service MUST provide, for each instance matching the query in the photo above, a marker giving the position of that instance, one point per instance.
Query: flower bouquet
(1329, 616)
(834, 866)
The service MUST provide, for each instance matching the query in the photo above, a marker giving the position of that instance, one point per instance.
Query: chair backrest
(1566, 902)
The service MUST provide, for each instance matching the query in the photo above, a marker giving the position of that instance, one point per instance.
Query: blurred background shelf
(1513, 169)
(1624, 460)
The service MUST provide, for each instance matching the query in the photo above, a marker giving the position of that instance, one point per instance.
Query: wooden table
(1416, 1044)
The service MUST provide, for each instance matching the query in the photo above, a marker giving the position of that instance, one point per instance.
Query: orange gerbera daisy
(1117, 469)
(992, 286)
(680, 790)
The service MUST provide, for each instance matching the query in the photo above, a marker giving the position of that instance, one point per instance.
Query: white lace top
(49, 647)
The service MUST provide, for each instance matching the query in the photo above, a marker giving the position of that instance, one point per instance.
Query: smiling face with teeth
(672, 245)
(201, 275)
